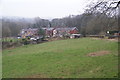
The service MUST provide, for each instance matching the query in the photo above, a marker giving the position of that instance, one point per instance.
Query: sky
(42, 8)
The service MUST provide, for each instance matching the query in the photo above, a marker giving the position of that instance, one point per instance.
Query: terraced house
(30, 32)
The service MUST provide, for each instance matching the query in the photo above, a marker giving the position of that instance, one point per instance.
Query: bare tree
(109, 7)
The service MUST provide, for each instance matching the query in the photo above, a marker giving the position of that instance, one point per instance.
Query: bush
(25, 42)
(11, 40)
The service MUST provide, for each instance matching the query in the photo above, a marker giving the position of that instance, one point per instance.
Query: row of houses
(60, 32)
(49, 32)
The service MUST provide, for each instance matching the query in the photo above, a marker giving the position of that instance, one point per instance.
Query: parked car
(33, 38)
(36, 38)
(75, 35)
(18, 37)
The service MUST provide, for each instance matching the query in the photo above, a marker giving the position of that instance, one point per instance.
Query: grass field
(62, 59)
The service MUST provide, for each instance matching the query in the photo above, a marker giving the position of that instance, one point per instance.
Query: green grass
(62, 59)
(9, 39)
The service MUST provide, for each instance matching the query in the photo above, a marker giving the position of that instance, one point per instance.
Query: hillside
(72, 58)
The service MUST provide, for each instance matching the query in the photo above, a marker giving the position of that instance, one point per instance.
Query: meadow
(71, 58)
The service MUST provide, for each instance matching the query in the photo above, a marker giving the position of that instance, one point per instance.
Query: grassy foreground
(62, 59)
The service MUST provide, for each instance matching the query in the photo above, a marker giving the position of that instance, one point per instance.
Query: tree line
(97, 19)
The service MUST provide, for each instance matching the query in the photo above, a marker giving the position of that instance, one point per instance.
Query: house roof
(48, 28)
(30, 29)
(70, 28)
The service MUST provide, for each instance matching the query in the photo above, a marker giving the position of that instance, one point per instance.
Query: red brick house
(74, 30)
(65, 31)
(48, 31)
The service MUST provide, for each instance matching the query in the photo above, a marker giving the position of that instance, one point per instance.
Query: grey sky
(42, 8)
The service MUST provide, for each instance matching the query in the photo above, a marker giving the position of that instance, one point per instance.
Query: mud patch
(98, 53)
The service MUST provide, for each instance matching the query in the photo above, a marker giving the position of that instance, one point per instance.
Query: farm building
(113, 34)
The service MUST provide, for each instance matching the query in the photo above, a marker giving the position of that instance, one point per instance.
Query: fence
(96, 36)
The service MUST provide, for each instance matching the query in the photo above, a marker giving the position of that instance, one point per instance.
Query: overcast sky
(42, 8)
